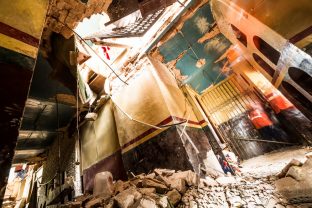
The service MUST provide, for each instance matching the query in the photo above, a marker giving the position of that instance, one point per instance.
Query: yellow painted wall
(26, 16)
(191, 95)
(141, 99)
(174, 98)
(152, 97)
(99, 138)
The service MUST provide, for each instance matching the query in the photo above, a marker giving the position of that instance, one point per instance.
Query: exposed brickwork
(71, 12)
(67, 163)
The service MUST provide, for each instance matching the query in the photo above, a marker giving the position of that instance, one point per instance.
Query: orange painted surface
(278, 102)
(259, 119)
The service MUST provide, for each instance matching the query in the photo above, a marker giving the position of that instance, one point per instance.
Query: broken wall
(160, 103)
(180, 107)
(190, 49)
(61, 165)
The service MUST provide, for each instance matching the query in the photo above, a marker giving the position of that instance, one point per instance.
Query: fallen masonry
(184, 189)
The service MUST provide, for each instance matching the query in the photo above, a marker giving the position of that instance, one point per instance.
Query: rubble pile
(233, 192)
(184, 189)
(162, 188)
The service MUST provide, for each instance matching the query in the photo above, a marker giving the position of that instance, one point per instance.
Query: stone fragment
(208, 181)
(147, 191)
(71, 205)
(124, 200)
(295, 173)
(103, 184)
(110, 204)
(193, 204)
(178, 184)
(163, 202)
(236, 201)
(136, 182)
(307, 164)
(237, 204)
(191, 178)
(153, 183)
(145, 203)
(308, 155)
(293, 189)
(272, 202)
(127, 197)
(151, 175)
(293, 162)
(164, 172)
(174, 197)
(120, 186)
(226, 180)
(96, 201)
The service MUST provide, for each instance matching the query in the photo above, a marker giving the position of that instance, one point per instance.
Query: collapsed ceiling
(50, 109)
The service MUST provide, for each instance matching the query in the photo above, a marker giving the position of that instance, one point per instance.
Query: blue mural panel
(173, 47)
(193, 29)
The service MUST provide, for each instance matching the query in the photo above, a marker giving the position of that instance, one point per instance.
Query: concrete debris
(164, 172)
(184, 189)
(191, 178)
(145, 203)
(293, 162)
(212, 173)
(296, 185)
(120, 186)
(124, 200)
(226, 180)
(153, 183)
(103, 184)
(174, 197)
(208, 181)
(178, 184)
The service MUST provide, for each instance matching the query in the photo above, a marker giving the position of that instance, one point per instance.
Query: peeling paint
(171, 65)
(200, 73)
(179, 25)
(209, 35)
(156, 54)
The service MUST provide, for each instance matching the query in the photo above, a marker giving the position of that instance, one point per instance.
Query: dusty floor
(272, 163)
